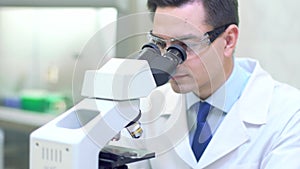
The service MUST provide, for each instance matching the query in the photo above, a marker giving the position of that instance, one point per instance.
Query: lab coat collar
(230, 91)
(248, 109)
(261, 84)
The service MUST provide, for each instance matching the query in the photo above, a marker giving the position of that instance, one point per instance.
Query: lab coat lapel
(184, 151)
(232, 133)
(178, 133)
(181, 144)
(224, 141)
(174, 132)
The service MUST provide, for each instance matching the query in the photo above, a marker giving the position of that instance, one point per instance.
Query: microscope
(77, 139)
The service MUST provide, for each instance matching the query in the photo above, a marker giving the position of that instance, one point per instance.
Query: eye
(160, 43)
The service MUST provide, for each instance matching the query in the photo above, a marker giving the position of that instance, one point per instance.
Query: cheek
(205, 66)
(196, 63)
(213, 62)
(196, 67)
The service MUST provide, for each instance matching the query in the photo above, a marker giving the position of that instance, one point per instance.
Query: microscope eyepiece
(177, 53)
(151, 46)
(162, 67)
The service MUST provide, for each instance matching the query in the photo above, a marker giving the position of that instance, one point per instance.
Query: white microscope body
(74, 139)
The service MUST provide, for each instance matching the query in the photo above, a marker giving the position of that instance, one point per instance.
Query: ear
(231, 37)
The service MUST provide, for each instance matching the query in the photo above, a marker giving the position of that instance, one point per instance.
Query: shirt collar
(228, 93)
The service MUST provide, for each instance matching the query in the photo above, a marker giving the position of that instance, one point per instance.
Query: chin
(179, 88)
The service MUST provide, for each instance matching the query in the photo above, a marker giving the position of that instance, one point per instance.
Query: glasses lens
(195, 45)
(189, 43)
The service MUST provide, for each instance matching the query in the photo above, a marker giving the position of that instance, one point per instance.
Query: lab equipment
(77, 139)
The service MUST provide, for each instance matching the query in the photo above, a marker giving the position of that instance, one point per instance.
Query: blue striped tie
(203, 133)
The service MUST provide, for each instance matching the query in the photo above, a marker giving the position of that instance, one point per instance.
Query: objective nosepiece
(134, 128)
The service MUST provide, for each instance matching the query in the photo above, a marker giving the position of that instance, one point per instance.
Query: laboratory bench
(17, 125)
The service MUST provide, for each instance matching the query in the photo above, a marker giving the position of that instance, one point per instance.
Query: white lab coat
(261, 131)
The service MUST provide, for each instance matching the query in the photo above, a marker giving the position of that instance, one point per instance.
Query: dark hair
(218, 12)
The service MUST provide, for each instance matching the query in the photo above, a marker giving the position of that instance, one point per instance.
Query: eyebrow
(183, 37)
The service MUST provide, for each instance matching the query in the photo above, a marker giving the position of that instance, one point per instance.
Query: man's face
(204, 66)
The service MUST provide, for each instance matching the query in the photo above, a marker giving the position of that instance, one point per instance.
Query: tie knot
(202, 110)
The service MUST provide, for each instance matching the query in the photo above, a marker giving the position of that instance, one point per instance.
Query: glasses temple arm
(214, 34)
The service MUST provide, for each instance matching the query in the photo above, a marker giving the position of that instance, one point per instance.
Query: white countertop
(22, 119)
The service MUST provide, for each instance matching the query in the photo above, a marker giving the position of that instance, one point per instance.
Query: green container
(34, 102)
(43, 102)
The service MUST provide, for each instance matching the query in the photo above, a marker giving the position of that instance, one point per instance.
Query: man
(254, 121)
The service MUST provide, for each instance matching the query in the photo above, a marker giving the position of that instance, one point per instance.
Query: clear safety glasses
(190, 42)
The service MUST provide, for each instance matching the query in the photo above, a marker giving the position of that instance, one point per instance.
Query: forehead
(180, 21)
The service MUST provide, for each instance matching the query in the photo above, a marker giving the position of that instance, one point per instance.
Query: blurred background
(45, 47)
